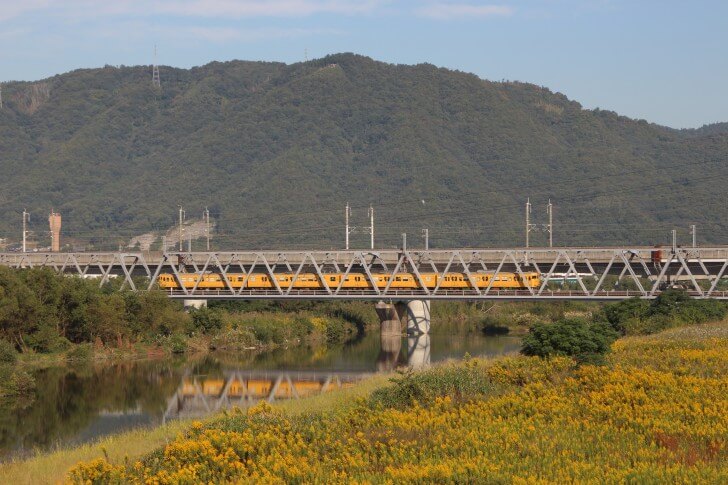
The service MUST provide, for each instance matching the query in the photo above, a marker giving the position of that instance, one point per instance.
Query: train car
(262, 281)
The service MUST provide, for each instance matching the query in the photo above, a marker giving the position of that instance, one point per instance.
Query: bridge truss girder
(589, 269)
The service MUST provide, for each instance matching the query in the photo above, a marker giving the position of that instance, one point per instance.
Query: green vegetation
(588, 340)
(324, 323)
(43, 312)
(276, 150)
(672, 308)
(423, 388)
(585, 341)
(500, 318)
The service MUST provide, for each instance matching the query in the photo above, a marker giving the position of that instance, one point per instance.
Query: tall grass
(50, 467)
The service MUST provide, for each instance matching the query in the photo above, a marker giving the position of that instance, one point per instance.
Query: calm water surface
(72, 406)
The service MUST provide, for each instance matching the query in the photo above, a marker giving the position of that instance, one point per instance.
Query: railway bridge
(565, 273)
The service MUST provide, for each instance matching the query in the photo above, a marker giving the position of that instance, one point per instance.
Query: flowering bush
(654, 414)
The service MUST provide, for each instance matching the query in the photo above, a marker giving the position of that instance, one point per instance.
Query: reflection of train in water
(256, 388)
(352, 280)
(198, 396)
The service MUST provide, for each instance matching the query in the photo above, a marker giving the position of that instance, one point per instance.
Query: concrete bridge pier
(418, 317)
(390, 321)
(193, 304)
(414, 315)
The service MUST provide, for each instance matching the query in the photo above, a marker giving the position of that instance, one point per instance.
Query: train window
(398, 279)
(332, 278)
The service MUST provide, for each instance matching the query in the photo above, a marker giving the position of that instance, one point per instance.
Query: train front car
(167, 282)
(532, 279)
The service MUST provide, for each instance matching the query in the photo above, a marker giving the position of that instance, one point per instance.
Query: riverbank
(51, 467)
(653, 413)
(267, 325)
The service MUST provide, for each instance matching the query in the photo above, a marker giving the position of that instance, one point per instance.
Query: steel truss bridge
(608, 273)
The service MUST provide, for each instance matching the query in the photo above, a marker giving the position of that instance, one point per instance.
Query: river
(77, 405)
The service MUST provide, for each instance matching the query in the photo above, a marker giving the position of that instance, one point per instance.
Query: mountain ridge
(276, 150)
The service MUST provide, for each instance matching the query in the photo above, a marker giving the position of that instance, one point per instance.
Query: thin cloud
(446, 11)
(224, 34)
(188, 8)
(264, 8)
(12, 8)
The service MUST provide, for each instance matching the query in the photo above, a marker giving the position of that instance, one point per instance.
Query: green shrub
(267, 331)
(80, 353)
(584, 341)
(301, 327)
(206, 320)
(617, 314)
(177, 343)
(459, 382)
(8, 354)
(670, 309)
(235, 339)
(336, 330)
(47, 341)
(17, 383)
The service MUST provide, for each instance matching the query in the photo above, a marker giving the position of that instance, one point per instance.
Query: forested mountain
(275, 151)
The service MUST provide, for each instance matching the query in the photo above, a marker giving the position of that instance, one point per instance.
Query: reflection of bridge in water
(198, 396)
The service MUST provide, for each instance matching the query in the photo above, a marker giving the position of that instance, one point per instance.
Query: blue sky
(663, 61)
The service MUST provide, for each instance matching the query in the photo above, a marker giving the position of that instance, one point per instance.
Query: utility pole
(694, 233)
(550, 212)
(164, 244)
(26, 219)
(674, 241)
(180, 230)
(347, 213)
(528, 221)
(404, 242)
(1, 96)
(426, 235)
(206, 216)
(371, 224)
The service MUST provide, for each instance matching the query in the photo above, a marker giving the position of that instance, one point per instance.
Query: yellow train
(262, 281)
